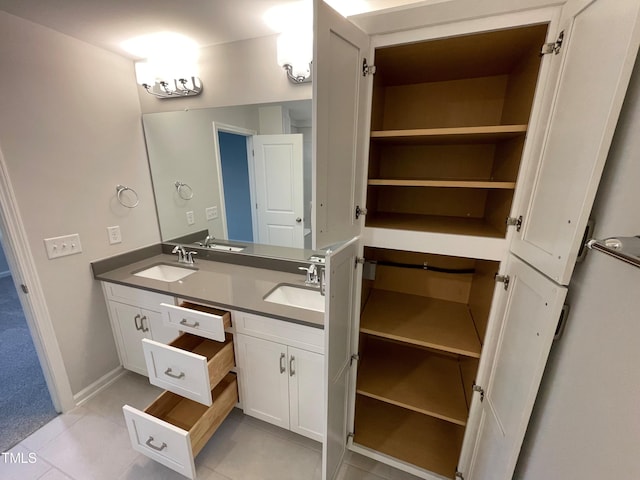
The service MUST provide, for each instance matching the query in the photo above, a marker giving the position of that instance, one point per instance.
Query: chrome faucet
(183, 255)
(312, 275)
(208, 240)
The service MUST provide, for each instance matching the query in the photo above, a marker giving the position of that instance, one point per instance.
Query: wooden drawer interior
(219, 355)
(226, 316)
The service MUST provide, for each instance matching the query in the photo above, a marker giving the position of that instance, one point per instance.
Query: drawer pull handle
(143, 328)
(135, 322)
(151, 445)
(169, 373)
(282, 363)
(292, 371)
(187, 324)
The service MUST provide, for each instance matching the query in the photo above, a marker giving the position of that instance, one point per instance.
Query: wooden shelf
(421, 440)
(396, 182)
(433, 223)
(413, 378)
(484, 134)
(424, 321)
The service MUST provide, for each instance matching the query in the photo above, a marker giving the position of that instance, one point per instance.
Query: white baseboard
(96, 387)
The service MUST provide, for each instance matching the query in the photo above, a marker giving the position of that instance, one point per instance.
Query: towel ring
(120, 189)
(185, 192)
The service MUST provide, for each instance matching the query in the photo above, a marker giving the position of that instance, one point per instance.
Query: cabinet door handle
(292, 371)
(151, 445)
(282, 363)
(142, 327)
(135, 321)
(186, 323)
(169, 373)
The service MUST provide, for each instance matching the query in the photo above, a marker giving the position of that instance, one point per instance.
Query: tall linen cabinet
(461, 155)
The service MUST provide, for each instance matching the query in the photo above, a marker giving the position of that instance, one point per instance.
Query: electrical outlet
(211, 213)
(115, 235)
(190, 218)
(63, 246)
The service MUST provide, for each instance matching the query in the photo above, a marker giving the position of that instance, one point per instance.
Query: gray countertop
(226, 285)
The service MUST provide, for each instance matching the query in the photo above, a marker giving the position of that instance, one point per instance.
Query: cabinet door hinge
(562, 321)
(503, 279)
(354, 357)
(24, 288)
(360, 261)
(514, 222)
(553, 47)
(367, 69)
(350, 436)
(459, 475)
(479, 389)
(360, 211)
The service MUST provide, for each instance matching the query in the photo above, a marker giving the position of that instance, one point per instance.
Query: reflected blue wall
(235, 177)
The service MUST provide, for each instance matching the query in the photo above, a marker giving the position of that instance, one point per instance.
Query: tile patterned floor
(91, 443)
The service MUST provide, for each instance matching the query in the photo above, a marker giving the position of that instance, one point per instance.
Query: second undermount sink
(297, 296)
(165, 272)
(225, 248)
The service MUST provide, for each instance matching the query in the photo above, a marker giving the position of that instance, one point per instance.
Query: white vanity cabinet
(462, 125)
(281, 367)
(135, 315)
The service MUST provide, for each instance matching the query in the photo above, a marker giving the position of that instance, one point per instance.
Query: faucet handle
(189, 257)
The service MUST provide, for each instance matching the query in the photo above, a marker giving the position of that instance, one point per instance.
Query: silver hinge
(480, 390)
(562, 321)
(360, 211)
(355, 357)
(360, 261)
(459, 475)
(582, 253)
(367, 69)
(553, 47)
(350, 435)
(515, 222)
(503, 279)
(24, 288)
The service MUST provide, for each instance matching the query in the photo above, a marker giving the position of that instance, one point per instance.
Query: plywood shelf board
(418, 320)
(412, 378)
(432, 223)
(442, 183)
(424, 441)
(486, 134)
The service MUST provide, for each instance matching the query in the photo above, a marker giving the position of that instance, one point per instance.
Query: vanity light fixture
(295, 54)
(175, 88)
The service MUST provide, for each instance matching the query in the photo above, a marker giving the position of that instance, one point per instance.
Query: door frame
(248, 134)
(23, 270)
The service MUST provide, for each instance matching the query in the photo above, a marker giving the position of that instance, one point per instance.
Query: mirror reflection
(240, 173)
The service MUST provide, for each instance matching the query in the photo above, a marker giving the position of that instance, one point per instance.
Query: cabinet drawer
(294, 334)
(173, 430)
(135, 296)
(204, 321)
(190, 365)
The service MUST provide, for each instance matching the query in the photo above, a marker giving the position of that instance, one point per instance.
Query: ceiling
(107, 23)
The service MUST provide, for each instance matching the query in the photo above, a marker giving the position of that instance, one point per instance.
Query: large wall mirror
(241, 173)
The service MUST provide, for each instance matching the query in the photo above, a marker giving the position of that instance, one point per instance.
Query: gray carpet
(25, 404)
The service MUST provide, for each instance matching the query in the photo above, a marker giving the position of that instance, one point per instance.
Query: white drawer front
(135, 296)
(294, 334)
(160, 441)
(206, 325)
(178, 371)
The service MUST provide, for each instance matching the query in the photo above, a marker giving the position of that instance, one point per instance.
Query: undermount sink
(297, 296)
(165, 272)
(226, 248)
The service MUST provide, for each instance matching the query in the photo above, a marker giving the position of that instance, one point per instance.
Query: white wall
(237, 73)
(70, 131)
(586, 422)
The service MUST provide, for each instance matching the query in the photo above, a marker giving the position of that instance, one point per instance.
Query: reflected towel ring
(120, 189)
(185, 192)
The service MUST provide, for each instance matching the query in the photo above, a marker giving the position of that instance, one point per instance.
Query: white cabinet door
(279, 189)
(600, 44)
(306, 393)
(131, 330)
(338, 125)
(159, 331)
(521, 343)
(264, 379)
(340, 304)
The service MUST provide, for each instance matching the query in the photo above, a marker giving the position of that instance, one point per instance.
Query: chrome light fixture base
(297, 79)
(176, 88)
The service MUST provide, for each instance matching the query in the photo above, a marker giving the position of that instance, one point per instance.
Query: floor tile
(92, 448)
(22, 464)
(144, 468)
(241, 451)
(285, 434)
(54, 474)
(51, 430)
(130, 389)
(349, 472)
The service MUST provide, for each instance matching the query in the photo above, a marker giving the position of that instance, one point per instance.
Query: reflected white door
(279, 189)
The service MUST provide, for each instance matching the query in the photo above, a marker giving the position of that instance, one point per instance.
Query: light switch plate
(63, 246)
(211, 213)
(190, 219)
